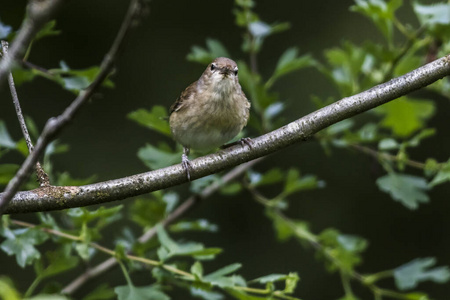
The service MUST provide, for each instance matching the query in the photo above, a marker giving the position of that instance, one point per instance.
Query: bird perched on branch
(211, 111)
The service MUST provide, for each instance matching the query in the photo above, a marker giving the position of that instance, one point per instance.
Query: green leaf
(352, 243)
(442, 176)
(130, 292)
(340, 127)
(22, 75)
(295, 182)
(21, 242)
(388, 144)
(75, 83)
(55, 148)
(171, 200)
(7, 172)
(270, 278)
(434, 17)
(407, 189)
(198, 225)
(408, 63)
(291, 282)
(259, 29)
(197, 269)
(382, 13)
(47, 30)
(7, 290)
(170, 248)
(347, 65)
(290, 62)
(431, 167)
(231, 189)
(368, 133)
(205, 56)
(404, 116)
(165, 240)
(409, 275)
(102, 215)
(83, 250)
(148, 212)
(59, 262)
(156, 119)
(270, 177)
(120, 251)
(283, 229)
(206, 295)
(425, 133)
(344, 248)
(5, 139)
(223, 271)
(158, 157)
(75, 80)
(273, 110)
(252, 84)
(226, 281)
(197, 250)
(416, 296)
(102, 292)
(245, 3)
(436, 13)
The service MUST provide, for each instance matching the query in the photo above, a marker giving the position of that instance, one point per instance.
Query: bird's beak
(225, 71)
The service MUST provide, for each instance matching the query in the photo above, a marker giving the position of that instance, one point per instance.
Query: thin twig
(40, 173)
(31, 66)
(55, 125)
(38, 13)
(180, 211)
(387, 156)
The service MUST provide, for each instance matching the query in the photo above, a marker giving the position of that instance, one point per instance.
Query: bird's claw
(186, 165)
(246, 141)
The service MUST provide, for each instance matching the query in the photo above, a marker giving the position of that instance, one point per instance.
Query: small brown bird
(211, 111)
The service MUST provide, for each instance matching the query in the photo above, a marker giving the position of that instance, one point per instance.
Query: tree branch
(56, 198)
(38, 13)
(41, 175)
(54, 125)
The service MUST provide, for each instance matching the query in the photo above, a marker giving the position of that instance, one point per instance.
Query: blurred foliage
(387, 133)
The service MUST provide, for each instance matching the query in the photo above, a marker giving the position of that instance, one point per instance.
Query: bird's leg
(244, 141)
(185, 162)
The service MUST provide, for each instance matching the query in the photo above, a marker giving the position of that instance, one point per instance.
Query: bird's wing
(185, 96)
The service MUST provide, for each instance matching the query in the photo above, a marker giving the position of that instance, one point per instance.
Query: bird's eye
(213, 67)
(235, 72)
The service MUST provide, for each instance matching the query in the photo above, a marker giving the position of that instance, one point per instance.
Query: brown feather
(185, 96)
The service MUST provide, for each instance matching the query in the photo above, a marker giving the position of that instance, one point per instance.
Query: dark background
(153, 70)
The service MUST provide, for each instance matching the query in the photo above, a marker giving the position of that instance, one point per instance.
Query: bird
(211, 111)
